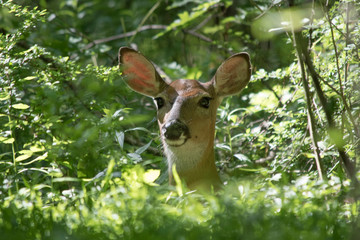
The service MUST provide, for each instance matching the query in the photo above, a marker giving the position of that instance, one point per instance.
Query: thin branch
(347, 108)
(206, 39)
(310, 115)
(263, 12)
(199, 35)
(125, 35)
(148, 14)
(203, 23)
(270, 157)
(346, 39)
(302, 48)
(348, 164)
(166, 78)
(257, 6)
(336, 53)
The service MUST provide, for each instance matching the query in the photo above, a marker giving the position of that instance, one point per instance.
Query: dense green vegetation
(80, 154)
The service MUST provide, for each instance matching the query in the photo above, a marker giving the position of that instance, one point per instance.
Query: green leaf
(309, 155)
(120, 138)
(66, 179)
(242, 157)
(7, 140)
(151, 175)
(39, 158)
(143, 148)
(336, 137)
(20, 106)
(30, 78)
(223, 146)
(179, 187)
(23, 157)
(135, 157)
(37, 148)
(4, 96)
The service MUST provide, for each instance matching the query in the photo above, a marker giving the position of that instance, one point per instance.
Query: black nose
(174, 129)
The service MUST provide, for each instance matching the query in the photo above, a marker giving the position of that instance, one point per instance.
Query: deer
(186, 113)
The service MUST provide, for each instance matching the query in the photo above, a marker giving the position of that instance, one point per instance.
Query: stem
(12, 146)
(310, 115)
(336, 53)
(11, 135)
(346, 41)
(348, 164)
(347, 108)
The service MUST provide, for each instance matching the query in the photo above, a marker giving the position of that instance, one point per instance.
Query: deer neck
(195, 164)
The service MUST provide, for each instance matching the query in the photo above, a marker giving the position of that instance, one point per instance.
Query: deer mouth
(176, 142)
(175, 133)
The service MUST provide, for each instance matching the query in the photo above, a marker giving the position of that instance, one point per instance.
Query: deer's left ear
(139, 73)
(232, 75)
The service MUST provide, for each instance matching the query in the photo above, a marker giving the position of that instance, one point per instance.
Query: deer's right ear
(232, 75)
(139, 73)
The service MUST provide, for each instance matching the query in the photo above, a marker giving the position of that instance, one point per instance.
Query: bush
(80, 155)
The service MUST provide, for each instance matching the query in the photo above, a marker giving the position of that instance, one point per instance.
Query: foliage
(80, 155)
(129, 208)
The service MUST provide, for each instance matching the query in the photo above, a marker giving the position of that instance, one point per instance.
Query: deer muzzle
(175, 133)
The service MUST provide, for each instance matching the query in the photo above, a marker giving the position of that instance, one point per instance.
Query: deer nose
(173, 130)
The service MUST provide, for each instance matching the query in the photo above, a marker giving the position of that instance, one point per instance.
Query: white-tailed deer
(186, 112)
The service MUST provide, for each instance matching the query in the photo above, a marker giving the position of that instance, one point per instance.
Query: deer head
(186, 112)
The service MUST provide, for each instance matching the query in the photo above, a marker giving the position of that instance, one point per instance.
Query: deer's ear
(232, 75)
(139, 73)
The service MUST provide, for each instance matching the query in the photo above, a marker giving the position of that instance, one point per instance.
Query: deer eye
(205, 102)
(160, 102)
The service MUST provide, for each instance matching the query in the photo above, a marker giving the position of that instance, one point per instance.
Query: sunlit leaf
(30, 78)
(309, 155)
(20, 106)
(23, 157)
(66, 179)
(7, 140)
(151, 175)
(223, 146)
(37, 148)
(242, 157)
(4, 96)
(179, 186)
(39, 158)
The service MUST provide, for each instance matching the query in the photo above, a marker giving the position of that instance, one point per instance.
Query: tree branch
(199, 35)
(310, 115)
(124, 35)
(348, 164)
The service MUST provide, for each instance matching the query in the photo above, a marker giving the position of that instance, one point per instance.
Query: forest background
(80, 154)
